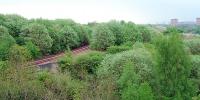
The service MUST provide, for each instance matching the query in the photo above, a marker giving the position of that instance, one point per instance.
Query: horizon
(137, 11)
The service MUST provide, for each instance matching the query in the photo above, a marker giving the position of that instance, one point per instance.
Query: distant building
(174, 22)
(198, 21)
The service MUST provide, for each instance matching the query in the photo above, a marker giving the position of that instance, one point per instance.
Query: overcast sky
(83, 11)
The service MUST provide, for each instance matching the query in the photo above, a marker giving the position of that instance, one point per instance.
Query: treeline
(46, 37)
(41, 36)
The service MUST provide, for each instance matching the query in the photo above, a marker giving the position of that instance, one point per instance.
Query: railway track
(53, 58)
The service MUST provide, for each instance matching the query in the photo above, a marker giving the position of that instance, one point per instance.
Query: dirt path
(53, 58)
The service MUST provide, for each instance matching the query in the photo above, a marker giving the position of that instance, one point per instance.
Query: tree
(39, 35)
(173, 68)
(131, 33)
(69, 38)
(6, 41)
(14, 24)
(102, 38)
(116, 29)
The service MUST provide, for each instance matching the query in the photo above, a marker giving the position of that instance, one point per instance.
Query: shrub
(193, 45)
(31, 90)
(146, 33)
(69, 38)
(112, 67)
(62, 86)
(117, 49)
(18, 56)
(130, 86)
(65, 63)
(6, 41)
(195, 72)
(116, 29)
(89, 61)
(130, 33)
(33, 49)
(173, 69)
(102, 38)
(3, 65)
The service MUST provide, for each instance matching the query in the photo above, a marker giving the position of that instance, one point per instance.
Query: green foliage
(131, 88)
(89, 61)
(195, 72)
(81, 65)
(39, 35)
(69, 38)
(82, 33)
(173, 69)
(131, 33)
(65, 63)
(3, 65)
(116, 29)
(172, 30)
(18, 56)
(33, 49)
(31, 90)
(14, 24)
(112, 67)
(102, 38)
(117, 49)
(193, 45)
(145, 33)
(62, 86)
(6, 41)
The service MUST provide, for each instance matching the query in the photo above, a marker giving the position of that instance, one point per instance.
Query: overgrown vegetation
(133, 62)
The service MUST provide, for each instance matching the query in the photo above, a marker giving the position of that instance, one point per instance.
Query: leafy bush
(130, 33)
(65, 63)
(69, 38)
(39, 35)
(32, 90)
(62, 86)
(81, 65)
(89, 61)
(33, 49)
(102, 38)
(18, 56)
(117, 49)
(6, 41)
(3, 65)
(173, 69)
(195, 66)
(14, 23)
(193, 45)
(130, 86)
(112, 67)
(195, 72)
(116, 29)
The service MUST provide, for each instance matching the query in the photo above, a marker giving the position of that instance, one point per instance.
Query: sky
(84, 11)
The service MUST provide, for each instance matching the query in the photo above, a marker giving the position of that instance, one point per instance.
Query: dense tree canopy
(39, 35)
(102, 38)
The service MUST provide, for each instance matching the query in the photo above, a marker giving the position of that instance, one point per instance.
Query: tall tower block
(198, 21)
(174, 22)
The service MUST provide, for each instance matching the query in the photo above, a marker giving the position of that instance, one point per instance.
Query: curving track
(53, 58)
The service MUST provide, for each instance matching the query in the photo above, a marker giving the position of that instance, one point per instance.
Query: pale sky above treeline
(84, 11)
